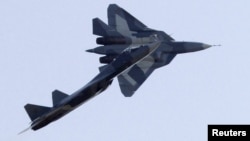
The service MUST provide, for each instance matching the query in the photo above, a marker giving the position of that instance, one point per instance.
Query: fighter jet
(125, 31)
(132, 52)
(63, 103)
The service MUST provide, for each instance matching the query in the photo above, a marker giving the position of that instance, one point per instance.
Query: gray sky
(42, 48)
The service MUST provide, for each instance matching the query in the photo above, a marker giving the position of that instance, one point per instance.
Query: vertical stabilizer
(35, 111)
(58, 96)
(102, 29)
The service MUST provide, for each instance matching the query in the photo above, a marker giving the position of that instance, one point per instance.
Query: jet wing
(126, 24)
(121, 20)
(132, 79)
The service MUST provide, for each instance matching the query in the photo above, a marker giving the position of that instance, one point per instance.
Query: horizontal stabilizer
(35, 111)
(58, 96)
(101, 68)
(102, 29)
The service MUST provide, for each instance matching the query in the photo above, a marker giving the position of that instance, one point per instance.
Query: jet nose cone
(205, 46)
(90, 50)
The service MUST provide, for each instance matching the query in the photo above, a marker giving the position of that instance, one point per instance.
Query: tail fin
(35, 111)
(58, 96)
(102, 29)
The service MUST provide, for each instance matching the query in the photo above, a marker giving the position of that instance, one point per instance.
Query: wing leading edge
(118, 18)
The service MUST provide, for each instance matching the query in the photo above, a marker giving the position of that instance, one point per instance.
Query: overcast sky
(42, 48)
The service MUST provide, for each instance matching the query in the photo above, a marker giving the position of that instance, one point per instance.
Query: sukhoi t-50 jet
(132, 52)
(125, 31)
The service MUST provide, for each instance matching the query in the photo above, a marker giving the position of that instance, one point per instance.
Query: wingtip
(113, 5)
